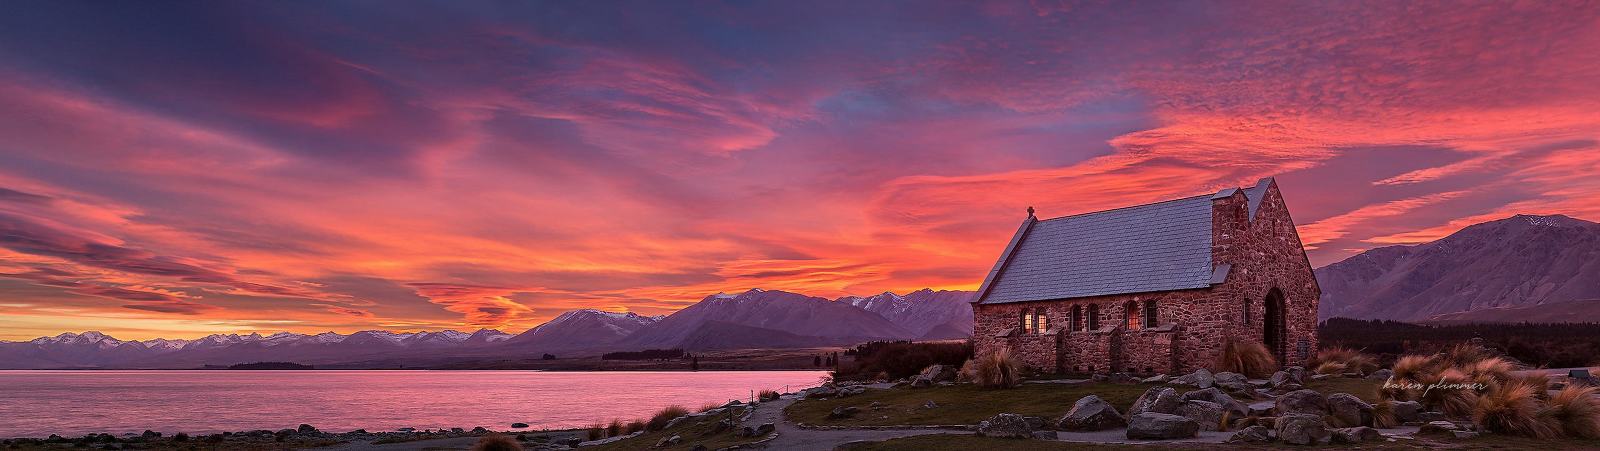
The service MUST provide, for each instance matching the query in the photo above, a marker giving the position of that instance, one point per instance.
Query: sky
(177, 169)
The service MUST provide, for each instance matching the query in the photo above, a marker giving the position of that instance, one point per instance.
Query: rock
(1034, 422)
(480, 430)
(669, 441)
(1005, 425)
(1354, 435)
(1045, 435)
(1200, 378)
(1261, 409)
(1216, 395)
(1318, 377)
(851, 391)
(1296, 373)
(1208, 414)
(1280, 378)
(1252, 434)
(1229, 377)
(1432, 416)
(1464, 434)
(921, 383)
(1405, 411)
(930, 404)
(1302, 429)
(825, 391)
(1302, 401)
(1381, 375)
(1438, 429)
(843, 412)
(1238, 388)
(519, 425)
(1349, 411)
(1091, 413)
(150, 434)
(938, 373)
(306, 429)
(1158, 400)
(1156, 379)
(1161, 426)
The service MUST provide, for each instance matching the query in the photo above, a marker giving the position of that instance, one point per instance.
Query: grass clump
(1246, 357)
(497, 442)
(768, 395)
(659, 420)
(1577, 411)
(634, 426)
(1515, 409)
(614, 428)
(997, 369)
(1340, 360)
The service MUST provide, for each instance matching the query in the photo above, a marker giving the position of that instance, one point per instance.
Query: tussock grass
(659, 420)
(497, 442)
(1383, 415)
(998, 369)
(615, 428)
(768, 395)
(1514, 409)
(1339, 360)
(1577, 412)
(1246, 357)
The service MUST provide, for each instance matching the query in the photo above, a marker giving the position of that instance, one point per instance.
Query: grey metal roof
(1155, 247)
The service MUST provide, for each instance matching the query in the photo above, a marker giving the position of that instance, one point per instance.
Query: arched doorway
(1274, 330)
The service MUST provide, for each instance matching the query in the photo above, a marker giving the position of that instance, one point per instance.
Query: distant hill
(1585, 311)
(752, 319)
(1509, 266)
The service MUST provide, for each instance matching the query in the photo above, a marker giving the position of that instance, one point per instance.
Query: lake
(73, 403)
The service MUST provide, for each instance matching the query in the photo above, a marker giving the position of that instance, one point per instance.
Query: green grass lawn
(693, 432)
(969, 404)
(967, 442)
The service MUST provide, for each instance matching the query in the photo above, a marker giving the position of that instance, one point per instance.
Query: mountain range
(752, 319)
(1522, 268)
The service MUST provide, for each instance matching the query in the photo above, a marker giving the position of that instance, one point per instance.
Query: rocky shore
(305, 436)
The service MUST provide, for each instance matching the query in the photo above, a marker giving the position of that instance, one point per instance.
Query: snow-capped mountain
(761, 318)
(927, 314)
(580, 330)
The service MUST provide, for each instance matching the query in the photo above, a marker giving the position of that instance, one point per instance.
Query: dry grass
(595, 431)
(709, 406)
(1515, 409)
(1383, 415)
(768, 395)
(1414, 368)
(497, 442)
(634, 426)
(666, 414)
(1245, 357)
(1464, 355)
(1455, 402)
(1491, 371)
(1577, 411)
(998, 369)
(615, 428)
(1341, 360)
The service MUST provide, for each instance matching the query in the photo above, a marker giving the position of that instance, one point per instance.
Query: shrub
(1514, 409)
(1577, 411)
(891, 360)
(997, 369)
(1246, 357)
(634, 426)
(1340, 359)
(614, 429)
(497, 442)
(659, 420)
(1383, 415)
(768, 395)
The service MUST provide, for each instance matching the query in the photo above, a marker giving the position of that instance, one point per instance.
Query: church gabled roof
(1146, 248)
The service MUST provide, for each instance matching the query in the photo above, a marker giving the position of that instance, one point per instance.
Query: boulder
(1302, 401)
(1208, 414)
(843, 412)
(849, 391)
(1381, 375)
(1229, 377)
(1161, 426)
(1034, 422)
(1280, 378)
(938, 373)
(921, 383)
(1354, 435)
(1252, 434)
(1156, 379)
(518, 425)
(1045, 435)
(1091, 413)
(1302, 429)
(669, 441)
(306, 429)
(1216, 395)
(1348, 411)
(1200, 378)
(825, 391)
(1297, 373)
(1406, 411)
(1005, 425)
(1439, 429)
(1261, 409)
(1158, 400)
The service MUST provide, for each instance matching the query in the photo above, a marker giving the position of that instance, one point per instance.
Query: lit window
(1042, 321)
(1131, 312)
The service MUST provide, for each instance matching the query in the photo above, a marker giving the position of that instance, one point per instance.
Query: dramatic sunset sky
(183, 168)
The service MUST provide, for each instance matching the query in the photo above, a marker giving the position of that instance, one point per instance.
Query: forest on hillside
(1559, 345)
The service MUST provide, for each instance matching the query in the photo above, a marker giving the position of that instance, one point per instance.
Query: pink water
(39, 403)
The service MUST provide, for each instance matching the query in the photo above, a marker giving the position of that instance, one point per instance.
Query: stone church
(1153, 288)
